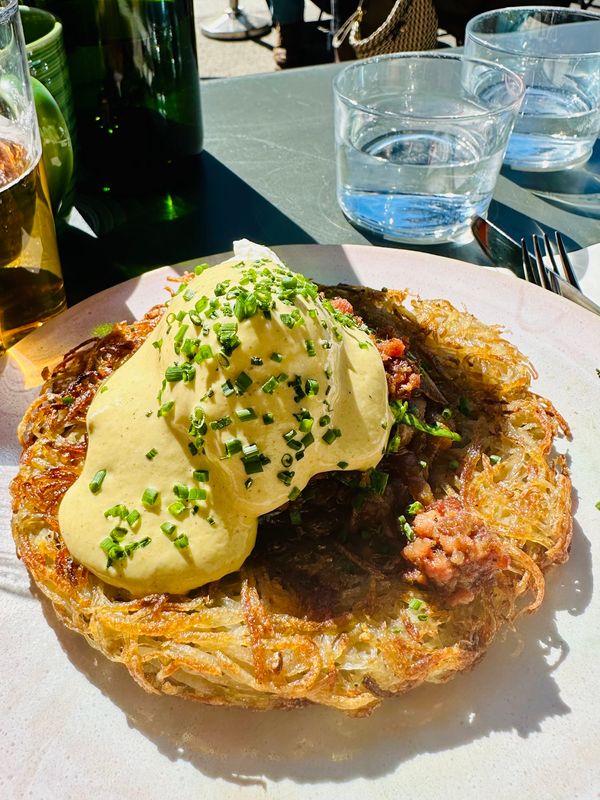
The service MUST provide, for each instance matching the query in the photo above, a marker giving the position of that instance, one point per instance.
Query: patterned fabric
(410, 25)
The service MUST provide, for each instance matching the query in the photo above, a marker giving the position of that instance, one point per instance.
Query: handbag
(375, 28)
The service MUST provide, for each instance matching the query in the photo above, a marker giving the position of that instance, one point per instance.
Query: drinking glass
(557, 53)
(31, 284)
(419, 142)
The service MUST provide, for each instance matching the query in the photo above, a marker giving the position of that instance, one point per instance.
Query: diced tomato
(392, 348)
(343, 305)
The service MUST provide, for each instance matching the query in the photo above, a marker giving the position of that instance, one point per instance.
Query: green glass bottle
(134, 71)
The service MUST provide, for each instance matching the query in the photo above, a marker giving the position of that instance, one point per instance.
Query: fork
(549, 278)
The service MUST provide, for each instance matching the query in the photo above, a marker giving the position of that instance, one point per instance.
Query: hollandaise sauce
(250, 385)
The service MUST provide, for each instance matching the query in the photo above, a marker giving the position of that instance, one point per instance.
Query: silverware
(505, 252)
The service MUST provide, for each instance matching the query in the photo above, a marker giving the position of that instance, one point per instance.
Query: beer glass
(31, 284)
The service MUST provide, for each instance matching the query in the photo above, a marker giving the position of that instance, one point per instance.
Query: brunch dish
(267, 492)
(513, 711)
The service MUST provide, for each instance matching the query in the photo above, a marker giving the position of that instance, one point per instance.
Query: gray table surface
(268, 173)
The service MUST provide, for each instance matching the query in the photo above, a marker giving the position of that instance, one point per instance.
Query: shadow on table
(512, 691)
(201, 209)
(576, 190)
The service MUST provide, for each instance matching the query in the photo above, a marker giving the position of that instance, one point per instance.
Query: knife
(505, 252)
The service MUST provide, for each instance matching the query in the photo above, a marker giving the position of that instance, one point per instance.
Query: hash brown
(343, 610)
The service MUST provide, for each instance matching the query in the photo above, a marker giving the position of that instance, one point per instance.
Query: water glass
(31, 284)
(557, 53)
(419, 142)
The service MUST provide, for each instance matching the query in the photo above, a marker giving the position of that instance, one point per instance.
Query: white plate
(523, 723)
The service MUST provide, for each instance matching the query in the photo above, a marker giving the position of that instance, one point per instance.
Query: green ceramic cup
(47, 63)
(57, 152)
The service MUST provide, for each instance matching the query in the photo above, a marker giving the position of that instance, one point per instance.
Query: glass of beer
(31, 284)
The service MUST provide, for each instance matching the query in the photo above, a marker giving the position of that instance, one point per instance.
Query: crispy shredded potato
(331, 619)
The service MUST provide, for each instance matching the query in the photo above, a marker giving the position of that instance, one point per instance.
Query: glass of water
(557, 53)
(420, 140)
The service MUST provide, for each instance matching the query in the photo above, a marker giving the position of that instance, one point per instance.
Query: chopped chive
(447, 413)
(269, 386)
(310, 347)
(406, 528)
(311, 387)
(324, 420)
(329, 436)
(256, 361)
(268, 418)
(276, 357)
(453, 464)
(414, 508)
(394, 444)
(227, 388)
(119, 510)
(96, 482)
(150, 496)
(157, 344)
(132, 517)
(165, 408)
(200, 475)
(363, 345)
(221, 423)
(233, 446)
(242, 382)
(248, 483)
(68, 400)
(129, 548)
(189, 293)
(342, 464)
(152, 453)
(246, 414)
(252, 466)
(295, 493)
(285, 476)
(178, 338)
(415, 604)
(306, 424)
(307, 439)
(282, 377)
(204, 353)
(287, 460)
(168, 528)
(177, 508)
(119, 533)
(196, 493)
(181, 491)
(379, 481)
(495, 459)
(423, 465)
(199, 268)
(181, 541)
(295, 517)
(107, 545)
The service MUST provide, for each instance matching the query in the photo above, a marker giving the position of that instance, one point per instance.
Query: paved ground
(219, 58)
